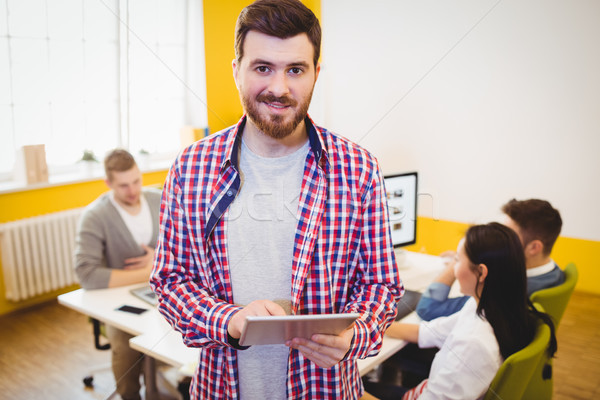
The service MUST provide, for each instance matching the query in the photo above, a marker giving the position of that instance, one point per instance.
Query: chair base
(88, 381)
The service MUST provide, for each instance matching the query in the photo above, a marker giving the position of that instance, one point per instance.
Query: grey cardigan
(103, 241)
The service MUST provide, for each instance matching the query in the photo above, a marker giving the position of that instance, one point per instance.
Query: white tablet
(276, 330)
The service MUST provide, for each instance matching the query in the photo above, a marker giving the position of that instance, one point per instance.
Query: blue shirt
(435, 301)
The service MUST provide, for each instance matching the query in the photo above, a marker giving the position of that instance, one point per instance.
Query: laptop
(408, 303)
(145, 293)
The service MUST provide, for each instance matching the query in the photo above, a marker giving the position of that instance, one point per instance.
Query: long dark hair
(504, 302)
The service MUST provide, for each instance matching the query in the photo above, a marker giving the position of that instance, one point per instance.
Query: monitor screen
(401, 192)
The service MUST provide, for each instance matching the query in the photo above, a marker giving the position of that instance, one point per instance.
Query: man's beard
(274, 125)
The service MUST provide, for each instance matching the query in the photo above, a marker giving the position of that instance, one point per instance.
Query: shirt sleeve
(429, 308)
(434, 333)
(187, 296)
(437, 291)
(467, 371)
(376, 294)
(90, 264)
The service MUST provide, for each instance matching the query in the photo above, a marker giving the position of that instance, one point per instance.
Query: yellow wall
(224, 107)
(29, 203)
(436, 236)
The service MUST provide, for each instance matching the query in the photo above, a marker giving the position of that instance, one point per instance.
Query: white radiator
(37, 254)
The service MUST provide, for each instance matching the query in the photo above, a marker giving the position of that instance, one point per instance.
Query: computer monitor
(401, 192)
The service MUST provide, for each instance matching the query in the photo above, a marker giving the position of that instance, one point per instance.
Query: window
(99, 74)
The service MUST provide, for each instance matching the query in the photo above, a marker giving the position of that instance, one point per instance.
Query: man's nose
(278, 84)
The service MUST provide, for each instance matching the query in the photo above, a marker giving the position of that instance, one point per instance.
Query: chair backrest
(514, 374)
(554, 302)
(555, 299)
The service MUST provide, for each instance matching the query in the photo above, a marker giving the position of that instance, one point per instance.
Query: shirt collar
(234, 141)
(542, 269)
(233, 145)
(316, 141)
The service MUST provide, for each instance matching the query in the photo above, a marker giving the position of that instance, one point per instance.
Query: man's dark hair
(537, 219)
(118, 160)
(279, 18)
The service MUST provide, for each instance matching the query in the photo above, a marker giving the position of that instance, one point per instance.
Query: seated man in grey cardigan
(114, 247)
(538, 225)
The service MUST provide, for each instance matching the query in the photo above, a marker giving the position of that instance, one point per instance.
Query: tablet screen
(278, 329)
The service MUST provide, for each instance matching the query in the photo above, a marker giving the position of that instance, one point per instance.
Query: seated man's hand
(324, 350)
(446, 276)
(449, 257)
(256, 308)
(144, 261)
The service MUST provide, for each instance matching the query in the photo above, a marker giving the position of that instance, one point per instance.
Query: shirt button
(229, 193)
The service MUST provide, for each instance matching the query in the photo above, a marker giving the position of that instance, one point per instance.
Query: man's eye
(262, 69)
(296, 71)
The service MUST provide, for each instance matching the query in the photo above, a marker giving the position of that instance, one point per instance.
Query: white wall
(488, 100)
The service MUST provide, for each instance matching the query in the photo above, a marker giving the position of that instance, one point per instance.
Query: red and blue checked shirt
(343, 259)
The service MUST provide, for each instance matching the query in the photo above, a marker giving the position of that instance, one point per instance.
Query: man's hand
(324, 350)
(144, 261)
(256, 308)
(135, 270)
(449, 257)
(446, 276)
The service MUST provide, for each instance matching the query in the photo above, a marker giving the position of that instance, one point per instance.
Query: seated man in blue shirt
(538, 225)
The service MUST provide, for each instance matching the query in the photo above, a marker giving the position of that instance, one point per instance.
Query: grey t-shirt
(262, 223)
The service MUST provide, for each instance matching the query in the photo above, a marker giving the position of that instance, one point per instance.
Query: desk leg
(150, 378)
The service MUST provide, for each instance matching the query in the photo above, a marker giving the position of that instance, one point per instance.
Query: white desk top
(167, 347)
(102, 304)
(154, 336)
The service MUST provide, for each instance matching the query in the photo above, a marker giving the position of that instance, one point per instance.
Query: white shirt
(541, 270)
(139, 225)
(469, 355)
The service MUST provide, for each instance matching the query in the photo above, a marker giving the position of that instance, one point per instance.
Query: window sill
(73, 177)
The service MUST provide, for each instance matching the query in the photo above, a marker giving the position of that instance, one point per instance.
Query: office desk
(102, 305)
(417, 271)
(154, 336)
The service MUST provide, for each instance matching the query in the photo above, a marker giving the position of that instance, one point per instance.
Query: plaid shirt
(343, 259)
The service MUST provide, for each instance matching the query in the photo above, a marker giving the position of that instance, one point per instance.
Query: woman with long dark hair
(497, 321)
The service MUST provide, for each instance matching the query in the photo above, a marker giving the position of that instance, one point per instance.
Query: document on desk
(278, 329)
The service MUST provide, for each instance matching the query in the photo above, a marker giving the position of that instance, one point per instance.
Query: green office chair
(515, 373)
(554, 301)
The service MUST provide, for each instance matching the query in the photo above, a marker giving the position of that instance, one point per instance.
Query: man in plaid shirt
(276, 216)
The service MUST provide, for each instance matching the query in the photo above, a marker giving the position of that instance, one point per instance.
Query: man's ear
(483, 272)
(234, 66)
(534, 248)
